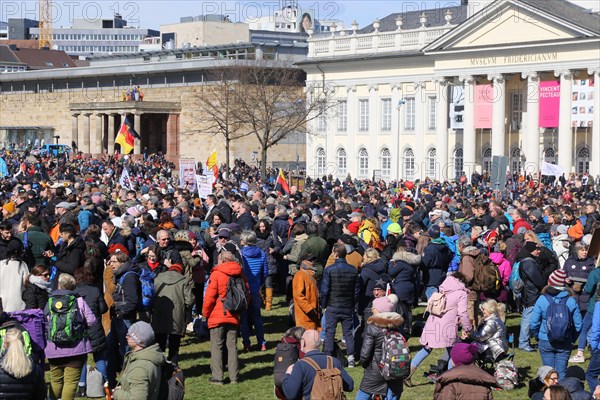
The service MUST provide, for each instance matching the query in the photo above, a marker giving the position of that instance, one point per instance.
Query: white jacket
(13, 274)
(561, 246)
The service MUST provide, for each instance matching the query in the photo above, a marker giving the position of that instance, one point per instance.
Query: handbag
(94, 383)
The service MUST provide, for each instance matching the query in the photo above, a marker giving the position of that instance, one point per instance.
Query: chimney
(13, 47)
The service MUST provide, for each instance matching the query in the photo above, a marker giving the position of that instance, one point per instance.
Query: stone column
(137, 125)
(351, 130)
(85, 146)
(75, 129)
(96, 140)
(441, 129)
(532, 135)
(498, 115)
(111, 134)
(173, 137)
(396, 122)
(469, 139)
(565, 131)
(595, 154)
(420, 105)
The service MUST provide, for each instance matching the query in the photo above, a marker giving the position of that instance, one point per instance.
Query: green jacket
(318, 247)
(173, 296)
(141, 375)
(40, 242)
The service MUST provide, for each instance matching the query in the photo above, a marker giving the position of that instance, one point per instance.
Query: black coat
(245, 221)
(70, 257)
(95, 300)
(35, 297)
(4, 246)
(31, 387)
(369, 276)
(436, 260)
(340, 286)
(370, 353)
(403, 271)
(127, 291)
(531, 276)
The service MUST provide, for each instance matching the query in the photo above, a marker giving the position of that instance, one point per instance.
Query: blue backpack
(146, 277)
(515, 283)
(559, 323)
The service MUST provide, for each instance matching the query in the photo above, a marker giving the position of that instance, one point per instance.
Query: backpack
(327, 384)
(395, 357)
(486, 275)
(436, 305)
(147, 292)
(507, 375)
(236, 297)
(172, 382)
(559, 322)
(514, 281)
(65, 324)
(286, 354)
(33, 321)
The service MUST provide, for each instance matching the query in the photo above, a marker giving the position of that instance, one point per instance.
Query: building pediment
(518, 22)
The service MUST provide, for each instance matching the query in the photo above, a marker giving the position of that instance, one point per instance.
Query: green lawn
(256, 368)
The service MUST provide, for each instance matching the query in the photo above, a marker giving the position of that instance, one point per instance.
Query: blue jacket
(256, 267)
(84, 218)
(595, 335)
(299, 383)
(340, 287)
(538, 318)
(384, 228)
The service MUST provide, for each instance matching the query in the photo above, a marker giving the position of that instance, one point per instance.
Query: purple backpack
(33, 321)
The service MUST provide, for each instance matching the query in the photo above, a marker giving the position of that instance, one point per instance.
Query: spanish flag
(211, 163)
(126, 137)
(282, 185)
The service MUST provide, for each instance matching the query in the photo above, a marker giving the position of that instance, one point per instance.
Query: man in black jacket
(340, 289)
(6, 237)
(534, 282)
(71, 253)
(592, 216)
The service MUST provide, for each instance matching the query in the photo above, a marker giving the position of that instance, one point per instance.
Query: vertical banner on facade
(549, 104)
(457, 107)
(484, 106)
(583, 103)
(187, 173)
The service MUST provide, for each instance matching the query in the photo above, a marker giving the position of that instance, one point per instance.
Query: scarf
(153, 265)
(40, 282)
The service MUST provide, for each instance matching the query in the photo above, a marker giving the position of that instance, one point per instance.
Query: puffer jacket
(256, 267)
(340, 287)
(403, 271)
(71, 256)
(436, 260)
(213, 309)
(575, 388)
(369, 275)
(532, 278)
(30, 387)
(577, 268)
(370, 354)
(464, 382)
(141, 375)
(95, 300)
(127, 291)
(491, 335)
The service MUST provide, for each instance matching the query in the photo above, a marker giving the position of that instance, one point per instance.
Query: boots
(407, 381)
(268, 299)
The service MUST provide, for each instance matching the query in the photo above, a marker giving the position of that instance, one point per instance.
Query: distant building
(14, 59)
(20, 28)
(203, 30)
(3, 30)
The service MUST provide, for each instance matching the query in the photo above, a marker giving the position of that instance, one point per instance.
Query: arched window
(431, 162)
(385, 162)
(363, 163)
(550, 155)
(342, 162)
(320, 162)
(458, 162)
(409, 163)
(515, 160)
(583, 160)
(486, 159)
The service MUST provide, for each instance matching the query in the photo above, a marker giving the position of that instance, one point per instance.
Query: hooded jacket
(306, 299)
(173, 297)
(216, 289)
(467, 264)
(256, 267)
(403, 271)
(141, 375)
(575, 388)
(532, 277)
(71, 256)
(464, 382)
(436, 260)
(491, 335)
(371, 351)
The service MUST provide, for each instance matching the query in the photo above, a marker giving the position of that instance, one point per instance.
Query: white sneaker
(577, 359)
(190, 327)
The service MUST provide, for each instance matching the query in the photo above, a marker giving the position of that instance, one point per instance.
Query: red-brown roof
(44, 59)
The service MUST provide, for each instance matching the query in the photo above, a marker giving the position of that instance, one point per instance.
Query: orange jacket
(306, 300)
(576, 231)
(213, 309)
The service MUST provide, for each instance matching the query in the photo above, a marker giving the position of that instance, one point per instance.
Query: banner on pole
(125, 180)
(549, 104)
(552, 169)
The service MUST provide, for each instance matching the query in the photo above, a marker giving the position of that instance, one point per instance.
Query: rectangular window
(342, 110)
(363, 115)
(322, 123)
(432, 117)
(410, 114)
(386, 114)
(517, 109)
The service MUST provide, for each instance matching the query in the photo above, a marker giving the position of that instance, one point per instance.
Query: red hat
(557, 278)
(116, 248)
(353, 227)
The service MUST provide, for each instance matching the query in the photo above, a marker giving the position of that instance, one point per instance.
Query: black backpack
(172, 382)
(236, 297)
(286, 354)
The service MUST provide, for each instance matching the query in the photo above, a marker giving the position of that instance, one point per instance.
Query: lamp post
(56, 137)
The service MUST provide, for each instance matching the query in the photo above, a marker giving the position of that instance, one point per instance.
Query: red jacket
(215, 291)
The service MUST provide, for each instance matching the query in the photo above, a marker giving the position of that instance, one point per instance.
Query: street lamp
(56, 137)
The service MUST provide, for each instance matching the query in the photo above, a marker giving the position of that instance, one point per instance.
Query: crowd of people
(119, 273)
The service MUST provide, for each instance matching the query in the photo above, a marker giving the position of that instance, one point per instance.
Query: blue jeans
(360, 395)
(429, 290)
(585, 328)
(555, 356)
(524, 331)
(116, 347)
(332, 317)
(591, 375)
(425, 352)
(254, 311)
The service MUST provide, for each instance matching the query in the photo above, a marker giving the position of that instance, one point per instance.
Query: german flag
(282, 185)
(126, 137)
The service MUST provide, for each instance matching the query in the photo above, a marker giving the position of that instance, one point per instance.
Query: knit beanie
(385, 303)
(141, 333)
(463, 353)
(530, 246)
(543, 372)
(557, 278)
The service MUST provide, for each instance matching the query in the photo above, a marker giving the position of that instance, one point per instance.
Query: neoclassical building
(433, 93)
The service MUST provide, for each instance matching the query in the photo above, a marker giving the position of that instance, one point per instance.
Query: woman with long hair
(20, 377)
(13, 275)
(37, 288)
(490, 336)
(265, 240)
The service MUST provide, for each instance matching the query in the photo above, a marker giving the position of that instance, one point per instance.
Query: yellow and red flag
(211, 164)
(126, 137)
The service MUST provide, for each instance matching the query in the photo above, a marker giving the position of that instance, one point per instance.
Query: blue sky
(153, 13)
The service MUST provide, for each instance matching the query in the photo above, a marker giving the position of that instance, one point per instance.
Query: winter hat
(557, 278)
(385, 303)
(575, 371)
(354, 226)
(394, 228)
(141, 333)
(537, 214)
(530, 246)
(380, 284)
(383, 213)
(434, 232)
(463, 353)
(406, 212)
(543, 372)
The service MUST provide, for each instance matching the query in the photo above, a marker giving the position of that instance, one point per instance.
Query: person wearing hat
(574, 382)
(533, 281)
(384, 222)
(555, 354)
(382, 321)
(66, 215)
(142, 366)
(390, 243)
(545, 377)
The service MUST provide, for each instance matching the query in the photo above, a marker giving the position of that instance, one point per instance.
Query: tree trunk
(227, 146)
(263, 165)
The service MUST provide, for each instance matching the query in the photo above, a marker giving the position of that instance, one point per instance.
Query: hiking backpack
(395, 357)
(236, 297)
(172, 382)
(286, 354)
(507, 375)
(328, 384)
(486, 275)
(33, 321)
(436, 305)
(147, 292)
(65, 324)
(514, 281)
(559, 322)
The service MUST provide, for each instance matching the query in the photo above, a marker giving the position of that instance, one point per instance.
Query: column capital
(373, 87)
(350, 88)
(419, 85)
(397, 86)
(564, 73)
(87, 114)
(441, 80)
(467, 79)
(496, 78)
(75, 115)
(530, 75)
(138, 113)
(594, 70)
